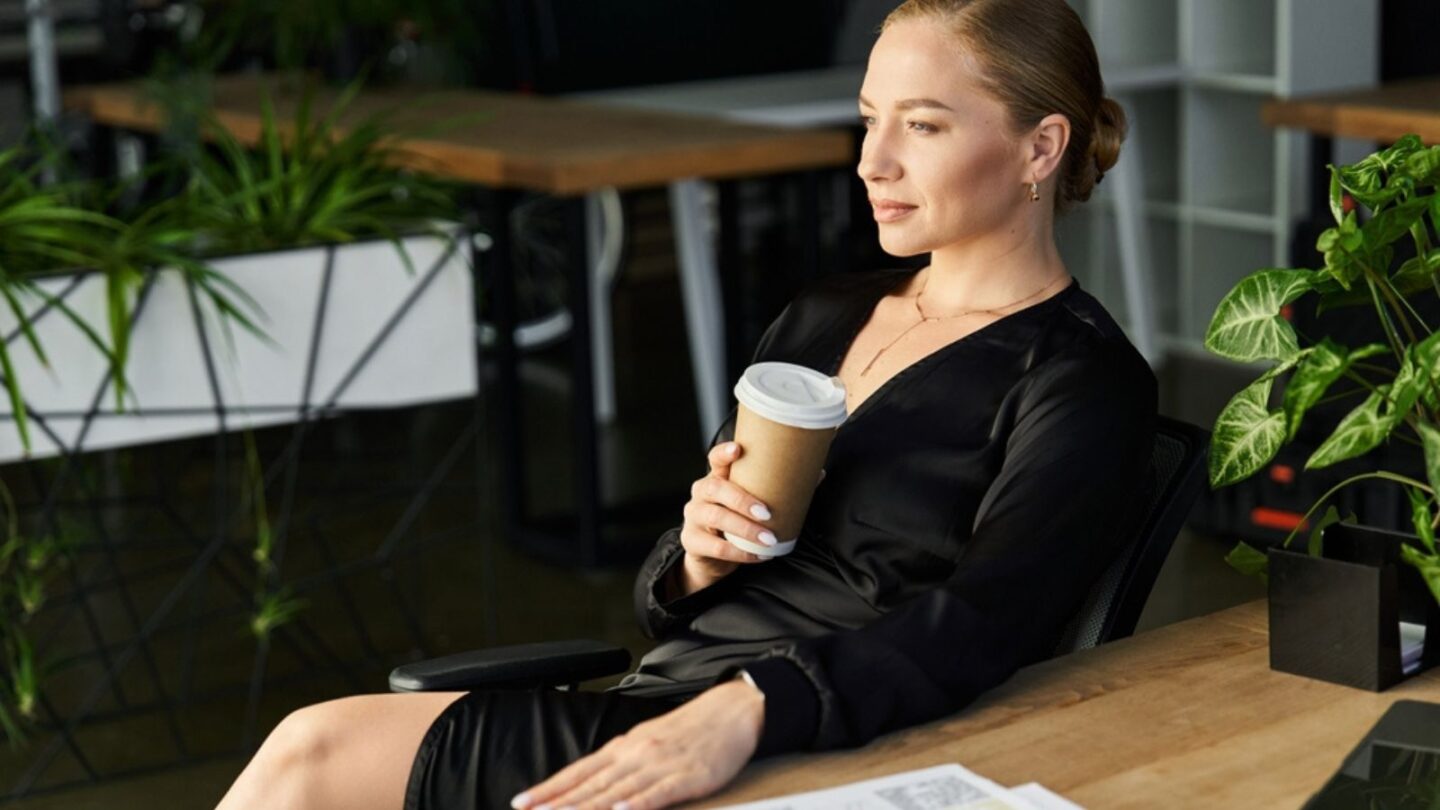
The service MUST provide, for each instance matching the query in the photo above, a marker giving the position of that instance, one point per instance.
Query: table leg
(585, 436)
(604, 258)
(700, 289)
(733, 291)
(507, 361)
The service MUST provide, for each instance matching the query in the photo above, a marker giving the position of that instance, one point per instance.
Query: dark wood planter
(1337, 617)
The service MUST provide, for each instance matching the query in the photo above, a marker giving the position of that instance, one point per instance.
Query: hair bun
(1110, 129)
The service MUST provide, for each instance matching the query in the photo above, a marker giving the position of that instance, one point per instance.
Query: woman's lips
(890, 212)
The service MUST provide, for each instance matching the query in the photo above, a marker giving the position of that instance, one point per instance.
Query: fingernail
(759, 511)
(732, 449)
(521, 801)
(620, 805)
(768, 538)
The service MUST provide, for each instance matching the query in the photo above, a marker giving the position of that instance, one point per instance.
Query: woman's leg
(353, 753)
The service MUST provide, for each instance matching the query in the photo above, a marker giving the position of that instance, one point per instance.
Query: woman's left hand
(686, 753)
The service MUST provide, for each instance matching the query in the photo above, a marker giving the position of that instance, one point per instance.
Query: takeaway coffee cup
(787, 416)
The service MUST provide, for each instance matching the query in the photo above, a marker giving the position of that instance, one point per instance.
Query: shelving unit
(1221, 192)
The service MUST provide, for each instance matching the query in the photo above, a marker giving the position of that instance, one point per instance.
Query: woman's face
(939, 160)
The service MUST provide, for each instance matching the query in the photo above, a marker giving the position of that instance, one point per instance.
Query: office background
(463, 598)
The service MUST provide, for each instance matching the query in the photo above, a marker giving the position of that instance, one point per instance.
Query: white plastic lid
(777, 550)
(792, 395)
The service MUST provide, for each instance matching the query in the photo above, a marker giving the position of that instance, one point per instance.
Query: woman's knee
(304, 740)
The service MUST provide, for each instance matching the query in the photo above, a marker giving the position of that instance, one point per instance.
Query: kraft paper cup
(787, 417)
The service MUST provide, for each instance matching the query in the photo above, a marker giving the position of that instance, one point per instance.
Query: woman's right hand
(717, 505)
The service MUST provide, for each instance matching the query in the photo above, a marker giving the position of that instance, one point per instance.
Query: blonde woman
(1000, 425)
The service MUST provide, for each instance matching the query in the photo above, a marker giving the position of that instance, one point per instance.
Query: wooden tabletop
(1382, 113)
(507, 140)
(1188, 715)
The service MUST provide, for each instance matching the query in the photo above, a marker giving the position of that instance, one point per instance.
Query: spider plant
(24, 570)
(41, 231)
(147, 234)
(316, 183)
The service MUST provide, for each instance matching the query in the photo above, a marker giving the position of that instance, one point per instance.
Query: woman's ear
(1046, 147)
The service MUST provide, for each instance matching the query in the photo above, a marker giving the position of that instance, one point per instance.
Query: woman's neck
(993, 271)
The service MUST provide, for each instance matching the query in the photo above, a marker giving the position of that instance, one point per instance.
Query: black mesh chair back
(1177, 474)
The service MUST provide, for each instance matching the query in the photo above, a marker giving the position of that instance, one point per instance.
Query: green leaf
(1246, 435)
(1421, 516)
(1247, 325)
(1430, 440)
(1337, 197)
(1393, 223)
(1322, 366)
(1416, 273)
(1427, 564)
(17, 401)
(1405, 391)
(1317, 534)
(1250, 562)
(1358, 433)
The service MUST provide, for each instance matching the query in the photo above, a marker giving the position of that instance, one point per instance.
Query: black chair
(1177, 473)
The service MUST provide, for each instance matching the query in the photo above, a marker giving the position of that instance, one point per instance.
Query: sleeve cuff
(791, 705)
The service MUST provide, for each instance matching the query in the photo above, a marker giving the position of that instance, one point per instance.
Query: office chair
(1110, 611)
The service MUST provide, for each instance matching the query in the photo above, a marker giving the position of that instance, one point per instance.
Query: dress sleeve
(1058, 511)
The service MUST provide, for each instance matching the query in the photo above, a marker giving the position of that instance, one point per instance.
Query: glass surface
(1399, 777)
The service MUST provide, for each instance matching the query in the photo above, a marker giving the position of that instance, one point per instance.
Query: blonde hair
(1036, 58)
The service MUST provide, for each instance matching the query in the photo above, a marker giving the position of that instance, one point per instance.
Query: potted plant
(1396, 187)
(345, 273)
(263, 286)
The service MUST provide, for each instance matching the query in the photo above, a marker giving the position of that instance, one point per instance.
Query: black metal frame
(214, 551)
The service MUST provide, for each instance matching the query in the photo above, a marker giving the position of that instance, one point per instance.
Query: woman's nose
(877, 158)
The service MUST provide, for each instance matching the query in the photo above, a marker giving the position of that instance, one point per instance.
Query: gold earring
(1034, 192)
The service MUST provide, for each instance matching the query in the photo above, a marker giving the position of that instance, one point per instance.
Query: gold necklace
(925, 319)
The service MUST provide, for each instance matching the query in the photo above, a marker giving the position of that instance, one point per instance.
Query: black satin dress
(968, 506)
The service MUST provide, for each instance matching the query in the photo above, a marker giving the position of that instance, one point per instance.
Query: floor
(441, 582)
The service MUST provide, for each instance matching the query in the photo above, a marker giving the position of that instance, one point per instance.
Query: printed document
(944, 787)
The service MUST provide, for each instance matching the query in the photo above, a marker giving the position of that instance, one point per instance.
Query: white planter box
(428, 355)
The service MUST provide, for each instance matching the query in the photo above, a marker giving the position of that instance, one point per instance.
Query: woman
(1000, 425)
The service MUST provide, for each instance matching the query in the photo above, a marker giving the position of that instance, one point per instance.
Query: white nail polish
(768, 538)
(521, 801)
(759, 511)
(620, 805)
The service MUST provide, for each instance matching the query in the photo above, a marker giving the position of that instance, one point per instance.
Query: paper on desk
(1412, 646)
(1041, 798)
(944, 787)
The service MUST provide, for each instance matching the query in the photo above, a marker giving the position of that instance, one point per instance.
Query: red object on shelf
(1287, 312)
(1284, 520)
(1282, 473)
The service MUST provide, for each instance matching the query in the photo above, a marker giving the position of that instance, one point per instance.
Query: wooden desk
(514, 143)
(1188, 715)
(1381, 113)
(504, 140)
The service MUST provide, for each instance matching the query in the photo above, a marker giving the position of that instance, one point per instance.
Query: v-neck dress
(968, 506)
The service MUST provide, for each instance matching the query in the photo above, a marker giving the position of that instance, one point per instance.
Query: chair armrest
(518, 666)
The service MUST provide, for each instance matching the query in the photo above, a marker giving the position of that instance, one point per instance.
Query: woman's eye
(867, 120)
(921, 126)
